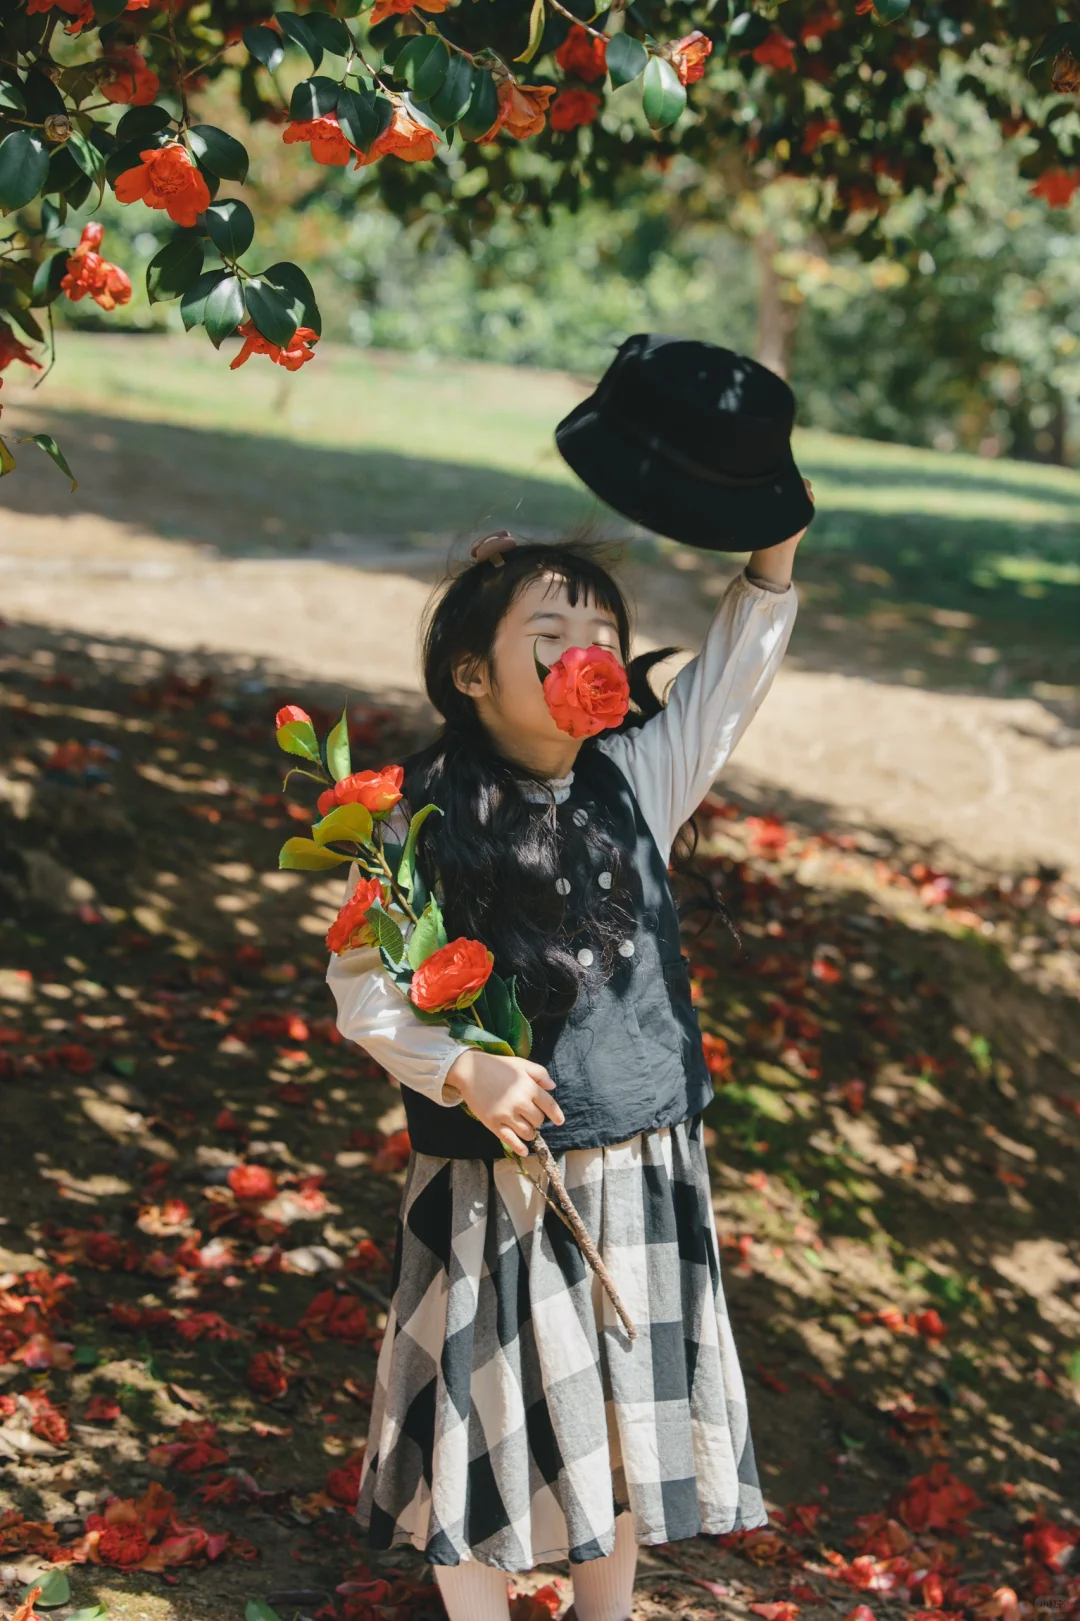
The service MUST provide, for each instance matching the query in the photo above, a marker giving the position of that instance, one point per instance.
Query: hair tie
(490, 548)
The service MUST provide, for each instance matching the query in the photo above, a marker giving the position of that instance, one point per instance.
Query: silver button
(585, 957)
(626, 948)
(604, 880)
(562, 886)
(581, 816)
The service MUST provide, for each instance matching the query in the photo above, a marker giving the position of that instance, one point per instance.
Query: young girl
(515, 1422)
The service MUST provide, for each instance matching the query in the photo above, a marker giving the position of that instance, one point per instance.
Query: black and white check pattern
(512, 1416)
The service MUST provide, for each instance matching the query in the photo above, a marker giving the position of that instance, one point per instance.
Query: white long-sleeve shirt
(670, 763)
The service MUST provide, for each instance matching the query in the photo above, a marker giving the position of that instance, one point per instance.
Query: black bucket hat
(691, 441)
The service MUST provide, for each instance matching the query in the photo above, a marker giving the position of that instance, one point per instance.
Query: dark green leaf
(87, 156)
(174, 268)
(224, 310)
(747, 31)
(24, 163)
(520, 1036)
(55, 1588)
(664, 95)
(48, 444)
(297, 32)
(265, 46)
(47, 278)
(258, 1610)
(483, 108)
(496, 1012)
(393, 49)
(52, 220)
(107, 11)
(22, 317)
(338, 754)
(193, 303)
(43, 98)
(387, 933)
(11, 96)
(537, 20)
(140, 122)
(626, 58)
(1056, 40)
(888, 11)
(473, 1036)
(408, 854)
(331, 34)
(230, 227)
(362, 116)
(289, 280)
(271, 312)
(218, 152)
(314, 98)
(423, 64)
(298, 737)
(452, 101)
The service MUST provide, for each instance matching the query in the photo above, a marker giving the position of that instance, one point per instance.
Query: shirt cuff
(766, 585)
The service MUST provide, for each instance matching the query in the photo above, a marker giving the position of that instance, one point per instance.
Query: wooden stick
(547, 1164)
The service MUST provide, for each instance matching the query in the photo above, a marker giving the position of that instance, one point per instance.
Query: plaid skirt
(513, 1418)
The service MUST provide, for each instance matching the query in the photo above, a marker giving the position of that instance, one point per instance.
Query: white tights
(603, 1588)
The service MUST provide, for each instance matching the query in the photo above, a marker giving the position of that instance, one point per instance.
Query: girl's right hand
(510, 1096)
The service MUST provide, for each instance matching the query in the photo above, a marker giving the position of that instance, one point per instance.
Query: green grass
(946, 568)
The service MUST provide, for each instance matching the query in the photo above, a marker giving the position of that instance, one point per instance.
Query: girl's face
(507, 691)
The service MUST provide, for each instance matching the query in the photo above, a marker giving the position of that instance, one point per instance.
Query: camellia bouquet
(447, 982)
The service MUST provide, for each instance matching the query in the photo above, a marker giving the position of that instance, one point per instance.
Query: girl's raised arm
(672, 761)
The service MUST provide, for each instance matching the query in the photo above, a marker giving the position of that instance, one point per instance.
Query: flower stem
(577, 1227)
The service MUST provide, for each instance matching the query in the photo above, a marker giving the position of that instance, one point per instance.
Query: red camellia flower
(405, 138)
(820, 23)
(583, 55)
(81, 12)
(1057, 186)
(88, 272)
(351, 928)
(325, 137)
(689, 55)
(101, 1410)
(123, 1544)
(394, 8)
(343, 1484)
(452, 978)
(587, 691)
(130, 83)
(936, 1501)
(776, 50)
(266, 1376)
(11, 349)
(572, 108)
(300, 349)
(378, 791)
(290, 712)
(522, 110)
(252, 1184)
(166, 178)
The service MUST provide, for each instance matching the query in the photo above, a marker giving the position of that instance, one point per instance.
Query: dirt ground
(200, 1182)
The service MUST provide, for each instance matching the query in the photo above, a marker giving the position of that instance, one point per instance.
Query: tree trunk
(777, 316)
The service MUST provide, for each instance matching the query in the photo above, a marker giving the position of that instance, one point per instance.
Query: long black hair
(496, 851)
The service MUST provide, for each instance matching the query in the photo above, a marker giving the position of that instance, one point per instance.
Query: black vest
(627, 1058)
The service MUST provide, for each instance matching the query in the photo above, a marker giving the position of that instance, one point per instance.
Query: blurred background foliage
(963, 332)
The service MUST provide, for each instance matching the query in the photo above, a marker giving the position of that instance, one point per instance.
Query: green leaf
(888, 11)
(389, 936)
(331, 34)
(48, 444)
(344, 822)
(258, 1610)
(405, 876)
(542, 670)
(230, 227)
(747, 31)
(304, 855)
(97, 1612)
(24, 163)
(473, 1036)
(297, 32)
(107, 11)
(1064, 34)
(452, 100)
(141, 122)
(298, 737)
(537, 20)
(271, 312)
(362, 116)
(664, 95)
(193, 304)
(47, 278)
(520, 1035)
(314, 98)
(496, 1007)
(11, 96)
(626, 58)
(7, 460)
(423, 64)
(174, 268)
(265, 46)
(428, 936)
(86, 1356)
(290, 281)
(55, 1588)
(483, 108)
(87, 156)
(218, 152)
(338, 755)
(224, 310)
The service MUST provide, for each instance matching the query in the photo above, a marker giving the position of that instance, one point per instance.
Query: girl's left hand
(775, 563)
